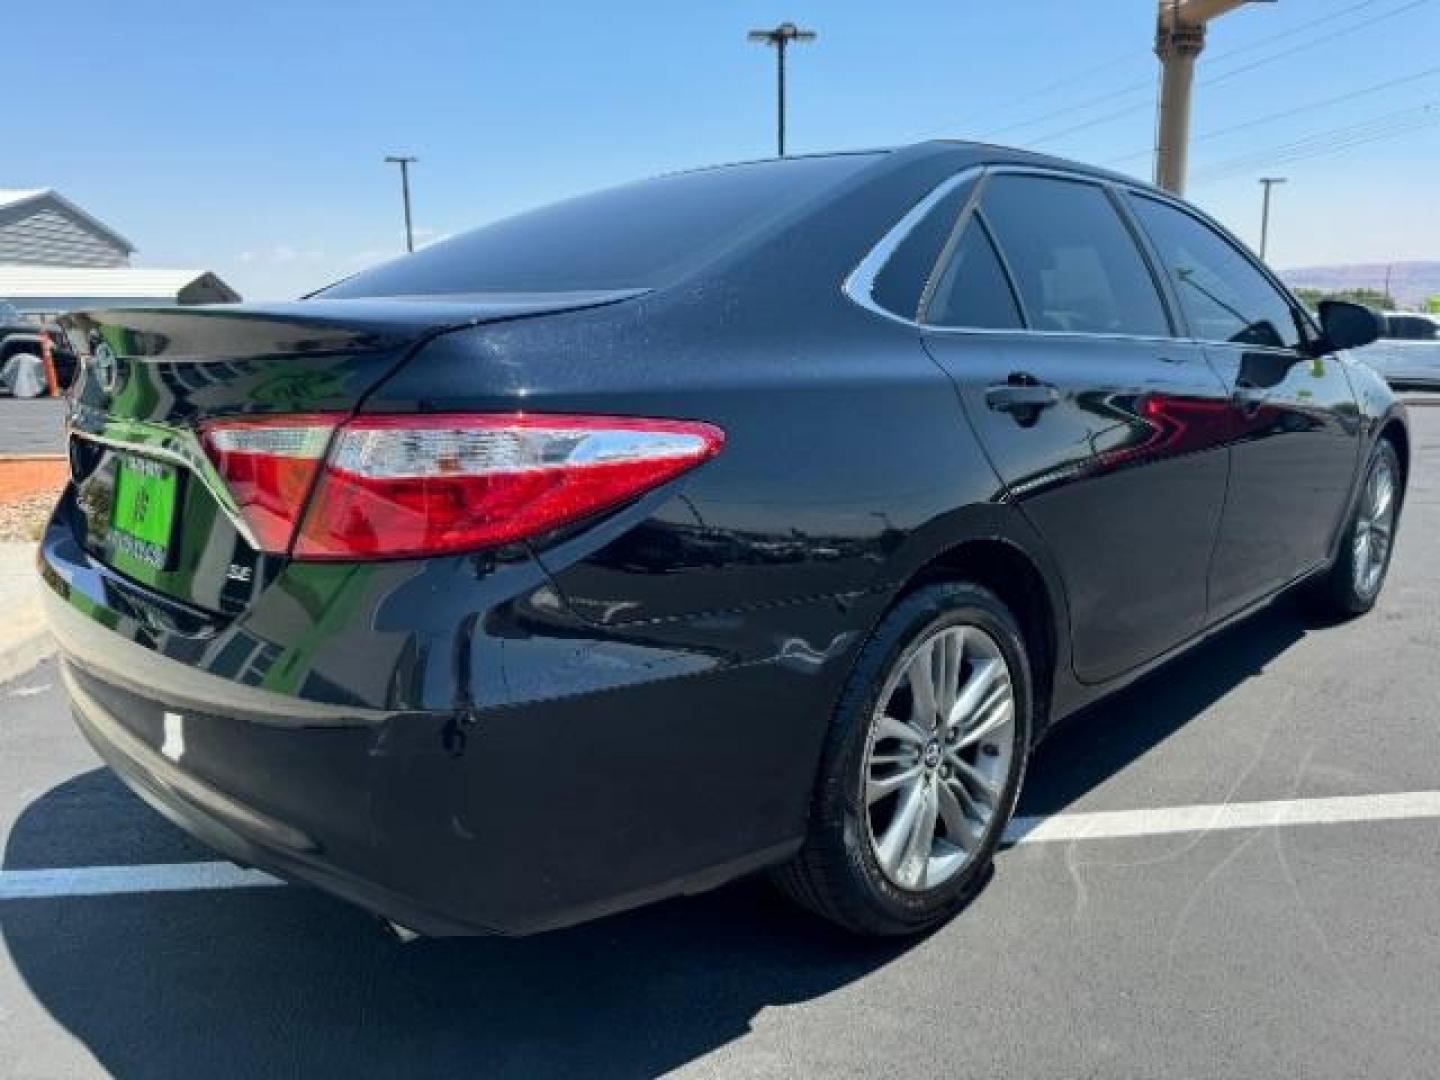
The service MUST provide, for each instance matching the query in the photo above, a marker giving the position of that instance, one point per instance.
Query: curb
(25, 642)
(25, 638)
(22, 653)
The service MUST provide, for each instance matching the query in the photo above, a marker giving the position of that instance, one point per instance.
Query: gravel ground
(25, 518)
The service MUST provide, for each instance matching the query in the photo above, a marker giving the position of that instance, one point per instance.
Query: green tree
(1375, 298)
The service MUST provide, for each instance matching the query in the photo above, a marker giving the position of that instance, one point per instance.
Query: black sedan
(752, 518)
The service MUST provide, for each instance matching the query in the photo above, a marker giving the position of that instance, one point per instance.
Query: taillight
(396, 486)
(269, 465)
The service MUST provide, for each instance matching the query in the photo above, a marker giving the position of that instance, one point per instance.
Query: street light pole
(405, 163)
(1267, 182)
(780, 37)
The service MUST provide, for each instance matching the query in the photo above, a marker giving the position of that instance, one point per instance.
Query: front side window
(1074, 263)
(1223, 295)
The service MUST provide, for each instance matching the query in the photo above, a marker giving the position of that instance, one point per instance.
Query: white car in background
(1408, 352)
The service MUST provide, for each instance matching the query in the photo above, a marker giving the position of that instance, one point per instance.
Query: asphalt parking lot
(32, 426)
(1165, 943)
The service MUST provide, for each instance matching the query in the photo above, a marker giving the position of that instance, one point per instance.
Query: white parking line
(1162, 821)
(1097, 825)
(109, 880)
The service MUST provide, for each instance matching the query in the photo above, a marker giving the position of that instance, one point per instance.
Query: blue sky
(248, 138)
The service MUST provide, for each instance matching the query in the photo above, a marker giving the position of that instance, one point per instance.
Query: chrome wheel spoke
(887, 727)
(983, 676)
(950, 652)
(958, 813)
(1384, 494)
(876, 788)
(891, 848)
(974, 781)
(992, 716)
(921, 676)
(919, 846)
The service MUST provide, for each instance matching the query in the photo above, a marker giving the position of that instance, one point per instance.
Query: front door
(1296, 445)
(1106, 430)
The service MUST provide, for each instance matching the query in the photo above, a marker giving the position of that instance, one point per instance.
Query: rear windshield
(637, 236)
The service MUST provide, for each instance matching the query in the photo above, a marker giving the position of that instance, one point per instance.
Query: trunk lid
(145, 499)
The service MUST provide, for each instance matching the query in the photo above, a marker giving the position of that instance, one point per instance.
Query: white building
(55, 257)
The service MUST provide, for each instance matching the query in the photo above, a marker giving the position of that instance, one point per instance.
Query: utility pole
(780, 37)
(405, 163)
(1179, 40)
(1267, 182)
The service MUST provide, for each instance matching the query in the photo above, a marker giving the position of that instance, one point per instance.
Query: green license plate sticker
(144, 514)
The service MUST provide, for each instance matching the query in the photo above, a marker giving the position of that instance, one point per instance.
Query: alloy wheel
(942, 739)
(1374, 528)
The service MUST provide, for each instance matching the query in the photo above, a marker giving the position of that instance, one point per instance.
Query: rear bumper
(233, 829)
(603, 771)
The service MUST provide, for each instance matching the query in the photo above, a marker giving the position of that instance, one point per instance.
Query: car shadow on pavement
(289, 982)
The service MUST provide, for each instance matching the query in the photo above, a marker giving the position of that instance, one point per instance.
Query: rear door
(1297, 441)
(1106, 429)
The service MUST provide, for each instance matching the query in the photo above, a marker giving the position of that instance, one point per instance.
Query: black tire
(836, 874)
(1338, 594)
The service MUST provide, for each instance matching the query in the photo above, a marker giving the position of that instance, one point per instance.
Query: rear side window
(903, 278)
(1074, 263)
(973, 291)
(1225, 298)
(636, 236)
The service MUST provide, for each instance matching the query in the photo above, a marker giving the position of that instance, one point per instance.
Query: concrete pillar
(1177, 46)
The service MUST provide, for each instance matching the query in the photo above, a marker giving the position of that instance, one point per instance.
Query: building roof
(14, 196)
(102, 283)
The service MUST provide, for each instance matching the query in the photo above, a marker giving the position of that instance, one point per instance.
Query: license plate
(143, 519)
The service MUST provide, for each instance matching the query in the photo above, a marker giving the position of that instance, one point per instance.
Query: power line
(1332, 140)
(1049, 88)
(1329, 135)
(1296, 111)
(1337, 148)
(1132, 88)
(1148, 83)
(1342, 32)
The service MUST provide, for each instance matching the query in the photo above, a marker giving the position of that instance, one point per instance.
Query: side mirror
(1345, 325)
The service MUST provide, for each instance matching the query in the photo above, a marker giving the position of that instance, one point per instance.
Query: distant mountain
(1410, 282)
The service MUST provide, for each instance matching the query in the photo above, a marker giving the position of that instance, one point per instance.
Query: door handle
(1023, 397)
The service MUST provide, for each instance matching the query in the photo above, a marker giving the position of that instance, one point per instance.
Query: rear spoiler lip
(229, 332)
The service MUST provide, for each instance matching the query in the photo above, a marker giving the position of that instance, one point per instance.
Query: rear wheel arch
(1014, 576)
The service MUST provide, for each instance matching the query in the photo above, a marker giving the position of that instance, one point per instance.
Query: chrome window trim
(859, 285)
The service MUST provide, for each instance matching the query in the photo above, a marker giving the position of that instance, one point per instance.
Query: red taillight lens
(397, 486)
(269, 465)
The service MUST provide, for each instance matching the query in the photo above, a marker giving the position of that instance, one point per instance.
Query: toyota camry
(754, 518)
